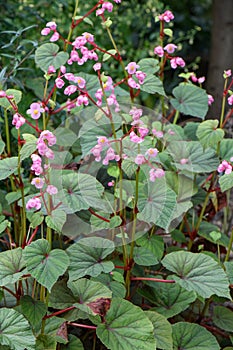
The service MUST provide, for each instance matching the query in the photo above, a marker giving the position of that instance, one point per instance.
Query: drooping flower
(156, 173)
(230, 100)
(35, 110)
(132, 67)
(38, 182)
(170, 48)
(51, 189)
(18, 120)
(225, 167)
(167, 16)
(158, 50)
(177, 61)
(33, 203)
(152, 152)
(210, 100)
(140, 159)
(69, 90)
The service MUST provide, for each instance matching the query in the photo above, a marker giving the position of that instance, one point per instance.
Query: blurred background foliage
(134, 29)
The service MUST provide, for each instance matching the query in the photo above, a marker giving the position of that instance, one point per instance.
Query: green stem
(223, 105)
(229, 247)
(8, 143)
(71, 27)
(176, 117)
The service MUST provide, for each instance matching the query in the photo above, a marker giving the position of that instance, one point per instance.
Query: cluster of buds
(135, 74)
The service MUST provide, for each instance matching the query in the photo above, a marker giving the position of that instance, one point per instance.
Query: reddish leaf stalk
(81, 325)
(151, 279)
(58, 312)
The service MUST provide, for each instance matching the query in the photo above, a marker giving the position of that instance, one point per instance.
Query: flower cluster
(225, 167)
(35, 110)
(46, 138)
(103, 142)
(138, 75)
(51, 27)
(167, 16)
(106, 6)
(18, 120)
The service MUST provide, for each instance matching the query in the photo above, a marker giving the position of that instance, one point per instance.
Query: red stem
(81, 325)
(74, 24)
(32, 236)
(151, 279)
(58, 312)
(97, 215)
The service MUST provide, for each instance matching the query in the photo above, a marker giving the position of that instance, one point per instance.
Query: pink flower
(210, 100)
(201, 80)
(132, 67)
(96, 151)
(102, 140)
(54, 37)
(132, 83)
(167, 16)
(38, 182)
(51, 70)
(143, 131)
(157, 133)
(51, 189)
(107, 6)
(51, 25)
(177, 61)
(170, 48)
(135, 138)
(69, 90)
(36, 165)
(225, 167)
(140, 76)
(108, 84)
(2, 93)
(18, 120)
(152, 152)
(230, 100)
(81, 82)
(158, 50)
(89, 37)
(59, 83)
(33, 203)
(79, 42)
(99, 12)
(110, 155)
(63, 69)
(140, 159)
(227, 73)
(35, 110)
(97, 66)
(156, 173)
(49, 137)
(136, 113)
(69, 76)
(184, 161)
(111, 183)
(82, 100)
(45, 31)
(117, 1)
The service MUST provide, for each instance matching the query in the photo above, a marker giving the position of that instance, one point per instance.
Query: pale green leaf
(33, 310)
(152, 85)
(48, 55)
(15, 330)
(208, 133)
(87, 257)
(190, 336)
(11, 92)
(226, 182)
(44, 265)
(12, 266)
(28, 148)
(56, 219)
(162, 330)
(7, 167)
(190, 100)
(198, 272)
(149, 65)
(143, 256)
(126, 327)
(223, 318)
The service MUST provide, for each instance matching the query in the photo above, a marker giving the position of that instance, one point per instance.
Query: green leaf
(229, 270)
(91, 296)
(2, 146)
(168, 32)
(118, 289)
(162, 330)
(65, 137)
(190, 336)
(223, 318)
(170, 299)
(126, 327)
(154, 244)
(11, 266)
(17, 98)
(106, 56)
(44, 265)
(208, 133)
(156, 203)
(149, 65)
(12, 197)
(55, 327)
(226, 147)
(226, 182)
(198, 272)
(56, 220)
(35, 219)
(15, 330)
(74, 344)
(3, 225)
(87, 257)
(8, 166)
(33, 310)
(152, 85)
(61, 297)
(82, 191)
(198, 159)
(190, 100)
(45, 342)
(143, 256)
(28, 148)
(47, 55)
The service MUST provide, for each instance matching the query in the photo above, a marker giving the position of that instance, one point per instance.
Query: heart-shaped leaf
(15, 330)
(126, 327)
(223, 318)
(226, 182)
(87, 257)
(208, 133)
(12, 266)
(56, 219)
(149, 65)
(44, 265)
(153, 85)
(190, 336)
(33, 310)
(11, 92)
(170, 299)
(198, 272)
(162, 330)
(7, 167)
(190, 100)
(47, 55)
(74, 344)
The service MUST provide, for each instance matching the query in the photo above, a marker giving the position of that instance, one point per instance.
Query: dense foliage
(114, 222)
